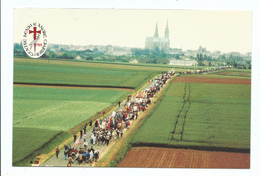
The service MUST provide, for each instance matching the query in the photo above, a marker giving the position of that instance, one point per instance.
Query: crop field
(181, 158)
(231, 73)
(235, 72)
(76, 73)
(27, 140)
(200, 116)
(41, 113)
(212, 79)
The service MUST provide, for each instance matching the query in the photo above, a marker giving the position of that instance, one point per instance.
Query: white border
(7, 7)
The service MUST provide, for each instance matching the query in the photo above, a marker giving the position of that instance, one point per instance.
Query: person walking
(57, 152)
(66, 153)
(119, 104)
(96, 155)
(75, 137)
(85, 145)
(107, 139)
(92, 149)
(85, 129)
(96, 123)
(81, 133)
(136, 115)
(90, 123)
(85, 137)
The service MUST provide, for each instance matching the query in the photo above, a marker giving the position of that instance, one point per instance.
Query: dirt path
(112, 148)
(110, 153)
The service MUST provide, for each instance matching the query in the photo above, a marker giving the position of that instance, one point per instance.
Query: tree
(17, 46)
(89, 58)
(157, 50)
(201, 57)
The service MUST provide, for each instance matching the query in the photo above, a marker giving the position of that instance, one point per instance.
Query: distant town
(174, 56)
(157, 51)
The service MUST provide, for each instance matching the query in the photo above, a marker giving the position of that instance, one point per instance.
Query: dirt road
(60, 161)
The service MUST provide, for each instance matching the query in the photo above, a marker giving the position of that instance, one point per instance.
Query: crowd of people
(113, 127)
(81, 156)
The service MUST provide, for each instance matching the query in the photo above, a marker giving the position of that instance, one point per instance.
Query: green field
(104, 74)
(214, 115)
(27, 140)
(39, 114)
(75, 73)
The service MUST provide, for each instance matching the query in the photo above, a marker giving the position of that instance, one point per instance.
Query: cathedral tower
(156, 31)
(167, 31)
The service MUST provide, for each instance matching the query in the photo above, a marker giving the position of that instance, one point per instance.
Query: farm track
(110, 150)
(178, 129)
(71, 86)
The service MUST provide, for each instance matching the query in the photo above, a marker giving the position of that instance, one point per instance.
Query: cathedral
(160, 42)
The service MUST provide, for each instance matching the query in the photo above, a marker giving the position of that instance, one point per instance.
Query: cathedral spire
(167, 31)
(156, 31)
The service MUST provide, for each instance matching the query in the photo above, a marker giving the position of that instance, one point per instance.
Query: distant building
(235, 53)
(119, 51)
(241, 64)
(84, 51)
(205, 62)
(183, 62)
(190, 53)
(175, 51)
(78, 58)
(134, 61)
(202, 50)
(162, 43)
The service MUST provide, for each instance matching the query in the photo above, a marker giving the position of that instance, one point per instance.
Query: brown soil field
(224, 73)
(230, 72)
(245, 74)
(150, 157)
(194, 79)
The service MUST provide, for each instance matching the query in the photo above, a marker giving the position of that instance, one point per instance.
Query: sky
(227, 31)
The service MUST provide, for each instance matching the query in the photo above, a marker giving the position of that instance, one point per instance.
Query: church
(162, 43)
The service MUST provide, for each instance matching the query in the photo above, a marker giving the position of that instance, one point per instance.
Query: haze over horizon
(226, 31)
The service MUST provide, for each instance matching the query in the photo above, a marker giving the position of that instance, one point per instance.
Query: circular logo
(35, 40)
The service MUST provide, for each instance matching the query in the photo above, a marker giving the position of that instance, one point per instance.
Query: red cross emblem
(34, 35)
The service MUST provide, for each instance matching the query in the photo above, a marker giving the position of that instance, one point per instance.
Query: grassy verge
(44, 149)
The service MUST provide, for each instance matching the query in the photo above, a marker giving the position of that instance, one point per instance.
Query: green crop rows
(42, 113)
(191, 114)
(58, 110)
(124, 76)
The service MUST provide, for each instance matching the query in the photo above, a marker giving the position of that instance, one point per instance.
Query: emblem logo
(35, 40)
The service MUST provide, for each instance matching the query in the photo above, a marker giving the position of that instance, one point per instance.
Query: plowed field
(181, 158)
(230, 73)
(193, 79)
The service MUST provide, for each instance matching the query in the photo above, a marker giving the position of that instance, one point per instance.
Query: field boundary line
(193, 147)
(48, 85)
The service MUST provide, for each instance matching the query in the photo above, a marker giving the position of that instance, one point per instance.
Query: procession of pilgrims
(113, 127)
